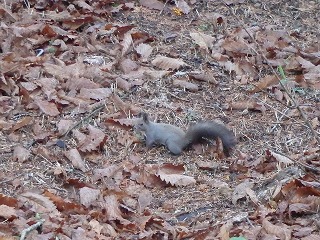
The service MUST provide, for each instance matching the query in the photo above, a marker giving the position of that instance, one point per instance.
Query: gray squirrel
(176, 140)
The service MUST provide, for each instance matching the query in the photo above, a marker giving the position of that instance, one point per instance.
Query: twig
(315, 135)
(164, 6)
(93, 112)
(175, 96)
(29, 229)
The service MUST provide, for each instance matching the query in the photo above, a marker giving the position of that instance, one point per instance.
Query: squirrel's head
(142, 122)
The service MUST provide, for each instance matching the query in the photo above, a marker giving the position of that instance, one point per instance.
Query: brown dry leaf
(96, 94)
(217, 19)
(205, 77)
(80, 137)
(224, 232)
(63, 205)
(144, 50)
(167, 63)
(127, 65)
(112, 209)
(313, 77)
(48, 108)
(123, 84)
(186, 85)
(183, 6)
(203, 40)
(144, 199)
(96, 226)
(278, 94)
(74, 156)
(108, 172)
(152, 4)
(5, 124)
(9, 201)
(92, 141)
(248, 105)
(305, 64)
(83, 5)
(88, 196)
(20, 154)
(235, 48)
(30, 86)
(125, 123)
(280, 158)
(155, 75)
(170, 168)
(64, 125)
(311, 237)
(252, 195)
(282, 232)
(298, 208)
(7, 212)
(39, 203)
(125, 107)
(265, 82)
(240, 191)
(125, 139)
(176, 179)
(8, 238)
(126, 43)
(6, 13)
(207, 165)
(245, 68)
(21, 123)
(78, 83)
(315, 122)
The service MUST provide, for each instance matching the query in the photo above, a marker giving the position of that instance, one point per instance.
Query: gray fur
(175, 139)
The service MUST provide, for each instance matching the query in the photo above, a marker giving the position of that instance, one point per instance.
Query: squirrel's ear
(144, 116)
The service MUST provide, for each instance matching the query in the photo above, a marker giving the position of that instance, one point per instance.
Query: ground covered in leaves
(74, 75)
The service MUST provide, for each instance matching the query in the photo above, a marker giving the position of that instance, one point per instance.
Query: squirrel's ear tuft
(144, 116)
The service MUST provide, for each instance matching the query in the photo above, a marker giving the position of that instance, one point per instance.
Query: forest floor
(75, 76)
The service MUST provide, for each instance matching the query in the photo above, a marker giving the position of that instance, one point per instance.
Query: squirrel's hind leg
(173, 147)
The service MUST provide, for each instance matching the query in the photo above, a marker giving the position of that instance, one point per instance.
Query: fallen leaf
(240, 191)
(264, 83)
(185, 84)
(205, 77)
(152, 4)
(113, 212)
(203, 40)
(7, 212)
(176, 179)
(181, 4)
(283, 232)
(88, 196)
(39, 202)
(21, 154)
(74, 156)
(96, 94)
(126, 43)
(92, 141)
(144, 50)
(48, 108)
(167, 63)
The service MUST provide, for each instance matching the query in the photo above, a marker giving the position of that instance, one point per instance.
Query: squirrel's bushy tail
(211, 130)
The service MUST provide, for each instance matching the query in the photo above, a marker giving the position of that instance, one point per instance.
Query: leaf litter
(73, 77)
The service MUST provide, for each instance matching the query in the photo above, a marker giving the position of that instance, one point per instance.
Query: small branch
(31, 228)
(93, 112)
